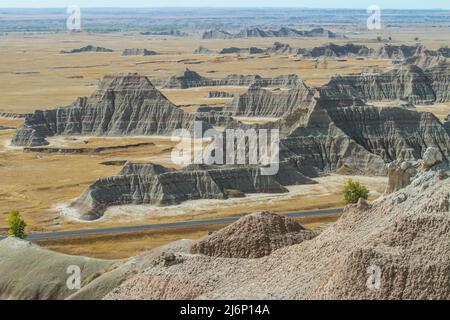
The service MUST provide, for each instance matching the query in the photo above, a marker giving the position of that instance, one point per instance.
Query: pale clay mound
(403, 236)
(253, 236)
(29, 272)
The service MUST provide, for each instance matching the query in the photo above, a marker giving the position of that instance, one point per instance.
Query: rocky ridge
(89, 48)
(123, 105)
(138, 52)
(383, 249)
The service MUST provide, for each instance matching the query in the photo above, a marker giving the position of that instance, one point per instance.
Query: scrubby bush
(16, 225)
(354, 190)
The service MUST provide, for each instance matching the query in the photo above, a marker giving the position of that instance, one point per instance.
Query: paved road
(192, 223)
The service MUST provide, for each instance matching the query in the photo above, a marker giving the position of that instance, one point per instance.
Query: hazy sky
(401, 4)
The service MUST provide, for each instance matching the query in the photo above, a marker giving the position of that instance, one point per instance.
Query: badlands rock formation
(259, 102)
(251, 50)
(89, 48)
(260, 33)
(138, 52)
(336, 51)
(253, 236)
(191, 79)
(395, 247)
(155, 184)
(203, 50)
(447, 124)
(384, 249)
(219, 94)
(407, 82)
(123, 105)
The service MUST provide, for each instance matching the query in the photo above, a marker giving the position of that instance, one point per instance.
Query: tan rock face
(253, 236)
(390, 250)
(399, 175)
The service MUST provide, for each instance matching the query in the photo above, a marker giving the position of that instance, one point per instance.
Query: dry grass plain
(126, 245)
(33, 75)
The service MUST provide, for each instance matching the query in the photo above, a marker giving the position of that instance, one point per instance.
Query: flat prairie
(34, 75)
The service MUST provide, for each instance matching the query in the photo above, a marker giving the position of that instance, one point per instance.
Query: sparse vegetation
(16, 225)
(353, 190)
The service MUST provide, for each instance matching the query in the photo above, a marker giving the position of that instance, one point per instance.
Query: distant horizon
(223, 7)
(217, 4)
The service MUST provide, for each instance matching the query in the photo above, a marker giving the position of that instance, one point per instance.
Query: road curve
(192, 223)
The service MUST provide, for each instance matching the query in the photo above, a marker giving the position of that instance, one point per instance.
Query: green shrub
(354, 190)
(16, 225)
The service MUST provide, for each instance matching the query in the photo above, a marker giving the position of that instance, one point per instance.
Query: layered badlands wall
(125, 105)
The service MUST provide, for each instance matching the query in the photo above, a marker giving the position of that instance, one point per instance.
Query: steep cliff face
(398, 52)
(121, 106)
(259, 102)
(407, 82)
(336, 51)
(447, 124)
(191, 79)
(327, 137)
(217, 34)
(392, 133)
(255, 32)
(152, 184)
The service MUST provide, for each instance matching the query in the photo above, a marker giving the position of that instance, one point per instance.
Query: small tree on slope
(16, 225)
(354, 190)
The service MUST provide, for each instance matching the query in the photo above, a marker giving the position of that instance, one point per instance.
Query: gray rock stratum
(447, 124)
(154, 184)
(138, 52)
(255, 32)
(384, 249)
(89, 48)
(123, 105)
(259, 102)
(191, 79)
(407, 82)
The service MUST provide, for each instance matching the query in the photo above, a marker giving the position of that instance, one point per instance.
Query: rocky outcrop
(219, 94)
(186, 79)
(284, 32)
(407, 82)
(251, 50)
(89, 48)
(399, 175)
(217, 34)
(203, 50)
(259, 102)
(138, 52)
(398, 52)
(447, 124)
(191, 79)
(386, 249)
(281, 48)
(13, 115)
(86, 150)
(154, 184)
(216, 118)
(336, 51)
(123, 105)
(253, 236)
(171, 32)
